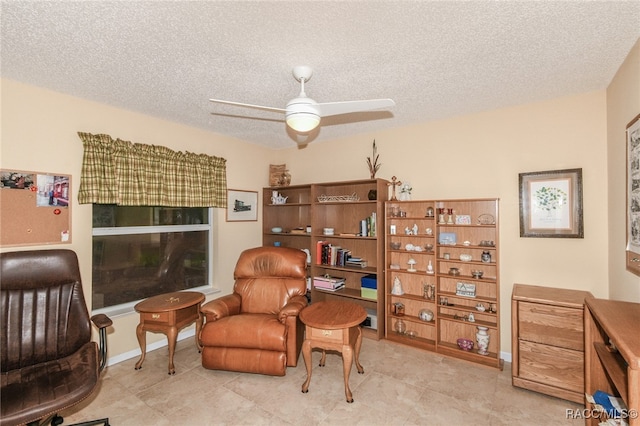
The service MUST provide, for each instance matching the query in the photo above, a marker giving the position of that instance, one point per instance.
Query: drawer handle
(326, 332)
(155, 316)
(635, 259)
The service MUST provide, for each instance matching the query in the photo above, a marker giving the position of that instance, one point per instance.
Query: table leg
(142, 340)
(172, 337)
(199, 322)
(357, 350)
(306, 354)
(323, 358)
(347, 360)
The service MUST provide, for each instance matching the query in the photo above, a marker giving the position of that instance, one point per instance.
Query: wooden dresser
(547, 330)
(612, 354)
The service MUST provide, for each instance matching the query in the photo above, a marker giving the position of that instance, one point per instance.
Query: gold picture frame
(551, 204)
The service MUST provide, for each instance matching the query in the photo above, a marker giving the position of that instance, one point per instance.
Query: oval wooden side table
(168, 313)
(333, 325)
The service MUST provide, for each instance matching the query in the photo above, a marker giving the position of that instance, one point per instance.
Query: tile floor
(400, 386)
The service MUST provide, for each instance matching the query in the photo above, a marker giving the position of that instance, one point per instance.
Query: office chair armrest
(102, 322)
(222, 307)
(293, 308)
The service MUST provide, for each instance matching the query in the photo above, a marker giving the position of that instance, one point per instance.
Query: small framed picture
(242, 206)
(463, 219)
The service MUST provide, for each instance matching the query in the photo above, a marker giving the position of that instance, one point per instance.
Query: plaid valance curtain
(132, 174)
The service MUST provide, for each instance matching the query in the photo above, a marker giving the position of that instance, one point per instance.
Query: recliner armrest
(293, 308)
(222, 307)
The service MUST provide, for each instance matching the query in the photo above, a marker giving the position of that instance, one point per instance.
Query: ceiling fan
(303, 114)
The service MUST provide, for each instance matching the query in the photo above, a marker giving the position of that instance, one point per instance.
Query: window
(139, 252)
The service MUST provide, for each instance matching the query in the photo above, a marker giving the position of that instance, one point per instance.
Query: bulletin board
(35, 208)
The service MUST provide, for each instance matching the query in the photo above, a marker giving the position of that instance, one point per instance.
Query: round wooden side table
(168, 313)
(333, 325)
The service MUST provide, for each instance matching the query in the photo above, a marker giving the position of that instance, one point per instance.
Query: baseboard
(190, 332)
(185, 334)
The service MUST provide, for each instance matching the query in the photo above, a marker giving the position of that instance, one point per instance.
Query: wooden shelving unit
(474, 225)
(340, 206)
(293, 217)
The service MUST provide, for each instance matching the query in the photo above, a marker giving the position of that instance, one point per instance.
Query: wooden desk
(612, 353)
(168, 313)
(333, 325)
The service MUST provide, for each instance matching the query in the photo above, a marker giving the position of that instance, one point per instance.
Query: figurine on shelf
(415, 229)
(397, 287)
(412, 265)
(405, 192)
(394, 182)
(430, 268)
(429, 211)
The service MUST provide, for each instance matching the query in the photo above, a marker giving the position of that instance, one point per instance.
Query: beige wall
(623, 104)
(39, 133)
(478, 155)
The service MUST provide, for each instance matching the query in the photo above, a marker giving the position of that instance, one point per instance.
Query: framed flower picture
(551, 204)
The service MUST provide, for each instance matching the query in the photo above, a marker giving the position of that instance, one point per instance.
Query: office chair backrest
(44, 315)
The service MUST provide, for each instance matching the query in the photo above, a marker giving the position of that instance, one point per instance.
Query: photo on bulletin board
(34, 208)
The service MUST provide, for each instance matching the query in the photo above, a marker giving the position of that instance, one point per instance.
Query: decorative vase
(482, 337)
(400, 327)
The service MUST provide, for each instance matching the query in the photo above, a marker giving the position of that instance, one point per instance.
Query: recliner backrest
(267, 277)
(44, 314)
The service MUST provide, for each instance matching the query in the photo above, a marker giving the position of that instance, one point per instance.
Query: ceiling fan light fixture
(303, 122)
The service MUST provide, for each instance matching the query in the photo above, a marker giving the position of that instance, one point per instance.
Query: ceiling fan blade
(265, 108)
(335, 108)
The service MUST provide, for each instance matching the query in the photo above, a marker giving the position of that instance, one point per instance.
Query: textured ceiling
(436, 59)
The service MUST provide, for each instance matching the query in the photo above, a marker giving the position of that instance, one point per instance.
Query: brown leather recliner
(48, 361)
(256, 329)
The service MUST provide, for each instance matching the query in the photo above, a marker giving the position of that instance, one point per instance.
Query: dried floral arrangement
(372, 161)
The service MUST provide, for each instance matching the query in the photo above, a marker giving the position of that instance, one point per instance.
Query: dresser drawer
(551, 365)
(551, 325)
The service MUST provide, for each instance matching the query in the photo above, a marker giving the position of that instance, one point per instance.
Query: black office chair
(48, 360)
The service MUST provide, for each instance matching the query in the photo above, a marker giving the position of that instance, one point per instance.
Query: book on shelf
(357, 263)
(328, 282)
(368, 226)
(336, 288)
